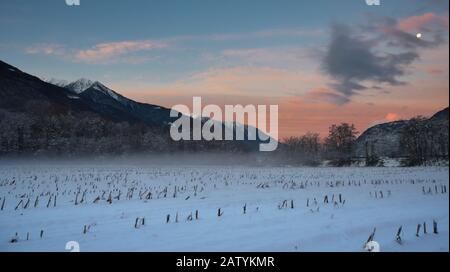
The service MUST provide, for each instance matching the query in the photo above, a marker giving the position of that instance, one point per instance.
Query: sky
(323, 61)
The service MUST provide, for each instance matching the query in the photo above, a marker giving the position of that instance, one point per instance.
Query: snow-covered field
(285, 208)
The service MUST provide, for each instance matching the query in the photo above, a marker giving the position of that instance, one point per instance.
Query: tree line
(421, 141)
(47, 131)
(310, 149)
(44, 130)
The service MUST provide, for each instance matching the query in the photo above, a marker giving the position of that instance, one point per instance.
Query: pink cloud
(252, 80)
(104, 51)
(392, 117)
(417, 23)
(46, 49)
(235, 81)
(111, 51)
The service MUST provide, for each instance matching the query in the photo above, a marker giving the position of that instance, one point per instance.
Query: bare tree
(415, 139)
(340, 143)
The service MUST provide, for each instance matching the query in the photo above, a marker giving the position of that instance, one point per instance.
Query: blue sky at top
(51, 22)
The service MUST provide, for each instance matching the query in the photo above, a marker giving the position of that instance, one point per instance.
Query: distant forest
(60, 133)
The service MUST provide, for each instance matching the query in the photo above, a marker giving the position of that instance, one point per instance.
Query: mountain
(19, 90)
(385, 138)
(86, 117)
(440, 116)
(111, 103)
(79, 86)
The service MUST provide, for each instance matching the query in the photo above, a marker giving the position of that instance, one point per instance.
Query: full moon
(419, 35)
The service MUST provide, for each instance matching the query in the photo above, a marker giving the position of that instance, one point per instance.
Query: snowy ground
(381, 198)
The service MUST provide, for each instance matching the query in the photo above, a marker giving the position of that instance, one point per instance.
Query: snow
(58, 82)
(80, 85)
(265, 227)
(83, 84)
(73, 97)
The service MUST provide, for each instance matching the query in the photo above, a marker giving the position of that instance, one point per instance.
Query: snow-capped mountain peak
(80, 85)
(83, 84)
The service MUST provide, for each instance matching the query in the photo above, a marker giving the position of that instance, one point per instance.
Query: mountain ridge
(42, 116)
(385, 138)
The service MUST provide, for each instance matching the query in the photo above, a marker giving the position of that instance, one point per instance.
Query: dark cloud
(379, 51)
(351, 60)
(347, 87)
